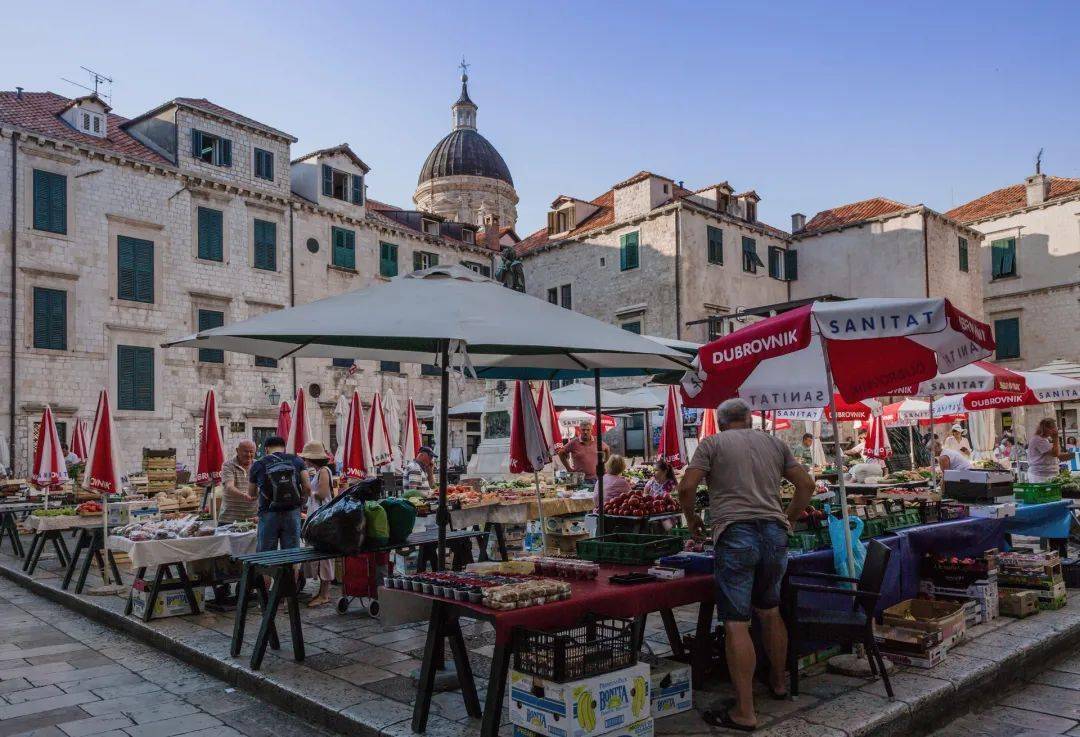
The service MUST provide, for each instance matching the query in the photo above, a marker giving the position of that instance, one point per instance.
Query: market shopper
(282, 487)
(743, 469)
(857, 450)
(579, 454)
(322, 490)
(236, 503)
(419, 473)
(805, 450)
(1044, 452)
(955, 438)
(662, 481)
(614, 481)
(70, 459)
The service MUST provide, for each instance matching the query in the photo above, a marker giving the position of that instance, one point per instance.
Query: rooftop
(1007, 199)
(853, 214)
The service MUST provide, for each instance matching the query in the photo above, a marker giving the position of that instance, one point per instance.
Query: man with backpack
(282, 486)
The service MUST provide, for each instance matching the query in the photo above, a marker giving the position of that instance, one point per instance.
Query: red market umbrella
(577, 417)
(284, 419)
(845, 412)
(300, 428)
(877, 439)
(549, 418)
(1041, 388)
(50, 468)
(905, 413)
(80, 443)
(528, 449)
(102, 473)
(413, 439)
(976, 376)
(355, 452)
(708, 425)
(672, 447)
(211, 445)
(379, 434)
(772, 421)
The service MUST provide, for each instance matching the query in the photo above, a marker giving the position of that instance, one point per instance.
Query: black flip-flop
(723, 719)
(776, 696)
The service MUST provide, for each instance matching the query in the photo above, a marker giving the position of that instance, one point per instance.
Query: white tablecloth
(65, 522)
(146, 553)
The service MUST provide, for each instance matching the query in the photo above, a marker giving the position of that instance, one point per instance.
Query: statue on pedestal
(510, 272)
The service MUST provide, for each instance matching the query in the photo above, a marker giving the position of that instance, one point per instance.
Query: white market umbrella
(583, 396)
(392, 412)
(50, 468)
(549, 418)
(300, 428)
(341, 418)
(413, 438)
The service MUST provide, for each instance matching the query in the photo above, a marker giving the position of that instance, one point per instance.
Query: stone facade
(468, 199)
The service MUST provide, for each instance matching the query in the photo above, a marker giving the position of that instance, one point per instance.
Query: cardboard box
(565, 525)
(584, 708)
(644, 728)
(1018, 604)
(945, 617)
(930, 659)
(992, 511)
(669, 688)
(168, 603)
(141, 510)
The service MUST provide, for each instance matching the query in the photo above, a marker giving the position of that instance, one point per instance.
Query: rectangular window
(211, 240)
(481, 269)
(211, 319)
(791, 264)
(390, 367)
(750, 259)
(776, 262)
(342, 186)
(344, 250)
(553, 295)
(428, 369)
(628, 252)
(1007, 337)
(265, 245)
(388, 260)
(264, 362)
(342, 362)
(135, 378)
(50, 319)
(211, 149)
(632, 327)
(135, 269)
(1003, 258)
(431, 227)
(424, 260)
(716, 245)
(565, 297)
(962, 248)
(468, 236)
(264, 164)
(50, 202)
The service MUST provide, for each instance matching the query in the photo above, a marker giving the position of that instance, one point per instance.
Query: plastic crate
(874, 527)
(1037, 493)
(625, 547)
(683, 533)
(690, 562)
(585, 650)
(900, 520)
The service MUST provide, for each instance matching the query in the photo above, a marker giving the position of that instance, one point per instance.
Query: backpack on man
(282, 484)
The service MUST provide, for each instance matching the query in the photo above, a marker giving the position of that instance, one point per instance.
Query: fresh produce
(57, 512)
(171, 529)
(638, 504)
(89, 508)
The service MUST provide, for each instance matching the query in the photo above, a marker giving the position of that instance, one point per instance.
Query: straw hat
(314, 450)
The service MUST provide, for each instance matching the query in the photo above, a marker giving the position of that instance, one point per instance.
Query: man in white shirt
(951, 459)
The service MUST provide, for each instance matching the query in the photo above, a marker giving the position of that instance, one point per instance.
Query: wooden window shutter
(327, 181)
(144, 379)
(417, 260)
(357, 189)
(265, 245)
(135, 269)
(791, 265)
(210, 234)
(225, 158)
(196, 143)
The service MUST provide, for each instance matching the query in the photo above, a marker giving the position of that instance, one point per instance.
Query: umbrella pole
(911, 447)
(648, 438)
(839, 468)
(933, 456)
(442, 516)
(106, 577)
(540, 512)
(599, 458)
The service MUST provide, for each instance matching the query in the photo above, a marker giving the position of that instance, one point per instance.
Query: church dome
(465, 152)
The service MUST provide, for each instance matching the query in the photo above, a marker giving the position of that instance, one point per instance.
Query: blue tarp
(1041, 520)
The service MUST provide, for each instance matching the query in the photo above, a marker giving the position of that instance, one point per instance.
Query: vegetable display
(638, 504)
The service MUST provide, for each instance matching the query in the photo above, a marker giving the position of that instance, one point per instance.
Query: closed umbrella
(413, 438)
(355, 453)
(708, 425)
(379, 435)
(211, 451)
(392, 412)
(49, 465)
(529, 450)
(549, 418)
(341, 416)
(672, 446)
(284, 419)
(300, 425)
(877, 440)
(102, 473)
(80, 443)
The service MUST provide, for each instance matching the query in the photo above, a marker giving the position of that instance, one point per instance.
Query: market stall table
(52, 529)
(91, 540)
(1051, 521)
(494, 517)
(166, 554)
(9, 524)
(595, 597)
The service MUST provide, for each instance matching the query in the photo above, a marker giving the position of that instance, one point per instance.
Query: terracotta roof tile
(201, 103)
(39, 112)
(640, 177)
(1008, 199)
(856, 212)
(530, 243)
(341, 148)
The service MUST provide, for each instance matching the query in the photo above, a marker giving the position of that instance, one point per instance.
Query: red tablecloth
(600, 597)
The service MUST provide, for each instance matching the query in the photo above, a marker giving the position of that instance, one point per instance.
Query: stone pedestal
(492, 458)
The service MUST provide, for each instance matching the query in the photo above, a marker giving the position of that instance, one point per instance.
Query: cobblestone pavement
(63, 676)
(1048, 705)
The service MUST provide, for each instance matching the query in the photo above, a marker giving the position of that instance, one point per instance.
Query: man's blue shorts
(751, 559)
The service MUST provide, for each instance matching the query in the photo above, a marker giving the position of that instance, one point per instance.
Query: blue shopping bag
(836, 536)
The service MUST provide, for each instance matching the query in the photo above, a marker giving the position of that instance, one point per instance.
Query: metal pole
(933, 455)
(839, 466)
(540, 513)
(648, 438)
(442, 516)
(911, 447)
(599, 458)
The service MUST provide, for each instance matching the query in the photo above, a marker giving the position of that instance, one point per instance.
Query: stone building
(883, 248)
(118, 234)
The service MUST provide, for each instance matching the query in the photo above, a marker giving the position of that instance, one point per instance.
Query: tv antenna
(1038, 162)
(98, 80)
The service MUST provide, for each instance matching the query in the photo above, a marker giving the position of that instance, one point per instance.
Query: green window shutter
(1008, 264)
(264, 164)
(264, 362)
(265, 245)
(388, 260)
(628, 252)
(211, 319)
(50, 202)
(135, 269)
(135, 378)
(1007, 337)
(50, 319)
(1003, 258)
(751, 260)
(196, 143)
(775, 259)
(210, 234)
(327, 181)
(791, 265)
(417, 259)
(225, 152)
(716, 245)
(344, 248)
(632, 327)
(962, 254)
(357, 189)
(433, 259)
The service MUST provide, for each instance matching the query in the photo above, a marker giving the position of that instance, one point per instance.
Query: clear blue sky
(810, 104)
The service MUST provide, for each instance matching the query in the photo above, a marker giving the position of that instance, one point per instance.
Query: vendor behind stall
(955, 438)
(419, 473)
(236, 503)
(857, 450)
(949, 459)
(1044, 452)
(804, 451)
(579, 454)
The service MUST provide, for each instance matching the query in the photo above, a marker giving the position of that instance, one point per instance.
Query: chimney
(18, 92)
(491, 232)
(798, 222)
(1037, 187)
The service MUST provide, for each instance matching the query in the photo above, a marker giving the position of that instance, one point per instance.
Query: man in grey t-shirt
(743, 468)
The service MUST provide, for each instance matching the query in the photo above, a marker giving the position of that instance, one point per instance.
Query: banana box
(644, 728)
(670, 689)
(589, 707)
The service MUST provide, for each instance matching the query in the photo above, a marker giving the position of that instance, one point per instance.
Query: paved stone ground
(63, 676)
(1047, 705)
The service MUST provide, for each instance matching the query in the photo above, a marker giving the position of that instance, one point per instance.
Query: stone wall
(964, 289)
(468, 199)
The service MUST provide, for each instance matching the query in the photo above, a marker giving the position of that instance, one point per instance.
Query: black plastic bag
(339, 525)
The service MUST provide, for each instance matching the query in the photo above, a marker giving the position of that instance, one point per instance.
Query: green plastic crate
(874, 527)
(1031, 493)
(683, 533)
(628, 548)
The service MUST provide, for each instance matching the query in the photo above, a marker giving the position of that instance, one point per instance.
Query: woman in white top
(1044, 452)
(322, 490)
